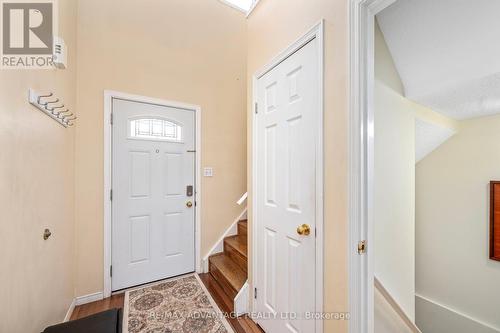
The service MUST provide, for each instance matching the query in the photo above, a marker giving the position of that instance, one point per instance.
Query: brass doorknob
(304, 230)
(189, 204)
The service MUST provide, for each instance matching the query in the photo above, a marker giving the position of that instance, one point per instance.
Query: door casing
(316, 32)
(361, 161)
(108, 134)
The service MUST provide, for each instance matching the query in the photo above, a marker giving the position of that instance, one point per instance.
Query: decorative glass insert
(156, 129)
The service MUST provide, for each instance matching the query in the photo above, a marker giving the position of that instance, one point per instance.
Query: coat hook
(61, 115)
(44, 96)
(46, 234)
(52, 106)
(50, 102)
(51, 109)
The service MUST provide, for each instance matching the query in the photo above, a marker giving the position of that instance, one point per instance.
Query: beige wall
(452, 222)
(37, 192)
(272, 27)
(183, 50)
(394, 183)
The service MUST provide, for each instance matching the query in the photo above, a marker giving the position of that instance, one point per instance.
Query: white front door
(286, 141)
(153, 183)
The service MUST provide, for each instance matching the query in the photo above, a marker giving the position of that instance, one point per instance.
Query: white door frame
(108, 133)
(361, 160)
(315, 32)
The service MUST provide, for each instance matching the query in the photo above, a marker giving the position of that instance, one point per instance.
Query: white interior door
(153, 228)
(287, 135)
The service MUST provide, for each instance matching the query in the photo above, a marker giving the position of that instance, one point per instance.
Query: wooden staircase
(230, 267)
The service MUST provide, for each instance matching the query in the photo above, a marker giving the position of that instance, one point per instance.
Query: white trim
(219, 244)
(316, 32)
(108, 97)
(361, 138)
(89, 298)
(458, 313)
(242, 199)
(71, 308)
(395, 306)
(241, 300)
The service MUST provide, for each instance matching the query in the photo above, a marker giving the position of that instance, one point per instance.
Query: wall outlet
(208, 172)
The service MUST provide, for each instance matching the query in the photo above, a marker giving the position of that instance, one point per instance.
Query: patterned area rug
(178, 305)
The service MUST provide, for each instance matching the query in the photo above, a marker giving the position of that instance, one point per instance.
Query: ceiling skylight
(243, 5)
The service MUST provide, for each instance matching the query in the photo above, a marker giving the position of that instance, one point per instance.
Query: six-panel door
(287, 120)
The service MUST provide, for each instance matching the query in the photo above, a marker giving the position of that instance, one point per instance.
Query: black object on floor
(109, 321)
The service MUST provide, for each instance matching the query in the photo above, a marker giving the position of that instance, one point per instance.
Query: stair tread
(229, 269)
(239, 243)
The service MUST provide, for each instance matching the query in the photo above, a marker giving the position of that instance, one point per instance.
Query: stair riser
(220, 278)
(242, 229)
(237, 257)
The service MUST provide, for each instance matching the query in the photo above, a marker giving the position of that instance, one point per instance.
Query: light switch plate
(208, 172)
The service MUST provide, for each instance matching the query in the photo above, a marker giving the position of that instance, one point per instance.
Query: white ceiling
(447, 53)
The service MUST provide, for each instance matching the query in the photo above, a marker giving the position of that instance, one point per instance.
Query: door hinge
(111, 195)
(111, 270)
(255, 293)
(256, 108)
(362, 247)
(111, 119)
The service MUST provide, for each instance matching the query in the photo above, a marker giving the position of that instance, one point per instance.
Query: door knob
(189, 204)
(304, 230)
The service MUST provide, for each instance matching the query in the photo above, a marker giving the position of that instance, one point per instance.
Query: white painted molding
(89, 298)
(219, 245)
(457, 312)
(242, 199)
(361, 140)
(108, 98)
(396, 307)
(71, 308)
(242, 300)
(316, 32)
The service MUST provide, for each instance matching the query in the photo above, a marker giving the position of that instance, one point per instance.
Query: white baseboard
(70, 310)
(433, 317)
(89, 298)
(219, 245)
(242, 300)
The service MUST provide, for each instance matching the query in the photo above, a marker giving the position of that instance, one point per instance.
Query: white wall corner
(242, 300)
(219, 245)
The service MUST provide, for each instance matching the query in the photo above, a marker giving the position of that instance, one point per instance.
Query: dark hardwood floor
(241, 324)
(115, 301)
